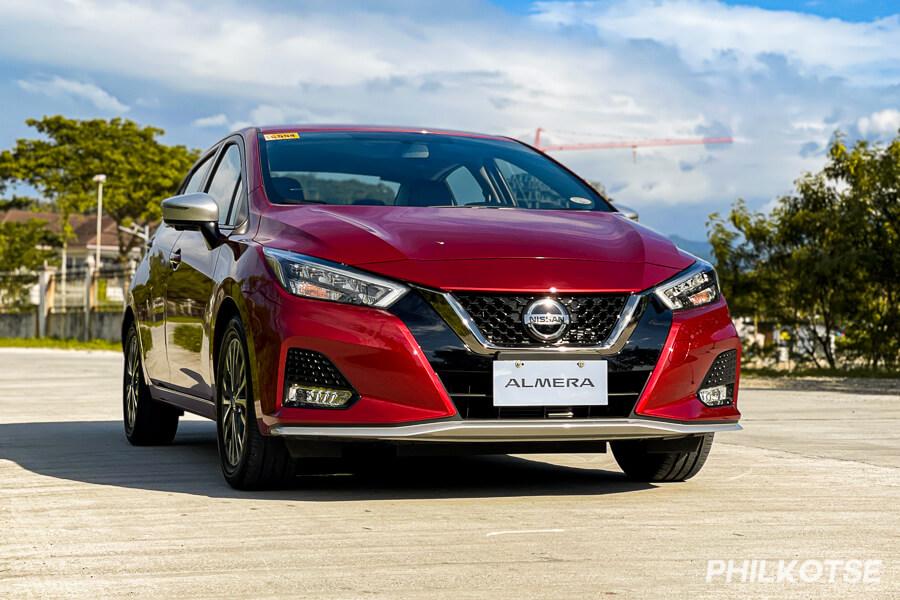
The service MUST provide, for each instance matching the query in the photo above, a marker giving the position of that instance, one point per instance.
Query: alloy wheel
(132, 382)
(234, 402)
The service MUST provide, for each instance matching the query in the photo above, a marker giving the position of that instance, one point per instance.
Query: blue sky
(847, 10)
(780, 77)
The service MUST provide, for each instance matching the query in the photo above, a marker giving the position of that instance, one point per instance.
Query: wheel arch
(227, 310)
(232, 303)
(128, 319)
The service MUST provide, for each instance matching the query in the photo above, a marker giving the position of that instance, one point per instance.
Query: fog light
(308, 395)
(715, 396)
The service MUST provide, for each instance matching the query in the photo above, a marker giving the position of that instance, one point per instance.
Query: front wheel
(663, 460)
(249, 459)
(147, 422)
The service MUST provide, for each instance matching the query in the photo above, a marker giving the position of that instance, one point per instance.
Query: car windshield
(417, 169)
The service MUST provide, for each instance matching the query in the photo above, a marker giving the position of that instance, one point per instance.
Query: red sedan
(339, 291)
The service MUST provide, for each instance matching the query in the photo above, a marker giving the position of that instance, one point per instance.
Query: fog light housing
(715, 396)
(299, 395)
(311, 380)
(717, 388)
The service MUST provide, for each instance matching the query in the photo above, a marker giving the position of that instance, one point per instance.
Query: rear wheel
(663, 460)
(147, 422)
(249, 459)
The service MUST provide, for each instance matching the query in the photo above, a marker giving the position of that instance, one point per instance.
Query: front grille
(468, 377)
(313, 368)
(499, 317)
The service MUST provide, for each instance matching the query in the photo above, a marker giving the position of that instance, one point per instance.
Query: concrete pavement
(815, 476)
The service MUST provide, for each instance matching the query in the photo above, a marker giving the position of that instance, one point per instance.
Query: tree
(18, 202)
(24, 247)
(738, 244)
(140, 170)
(825, 261)
(869, 180)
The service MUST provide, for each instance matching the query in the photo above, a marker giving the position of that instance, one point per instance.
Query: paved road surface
(815, 475)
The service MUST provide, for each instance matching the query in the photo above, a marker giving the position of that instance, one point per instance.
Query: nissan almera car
(344, 291)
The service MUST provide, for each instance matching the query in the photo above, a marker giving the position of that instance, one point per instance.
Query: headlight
(695, 287)
(315, 278)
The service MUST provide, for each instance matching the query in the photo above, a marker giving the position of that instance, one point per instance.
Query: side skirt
(192, 404)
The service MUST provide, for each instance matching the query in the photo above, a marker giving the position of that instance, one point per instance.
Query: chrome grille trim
(464, 326)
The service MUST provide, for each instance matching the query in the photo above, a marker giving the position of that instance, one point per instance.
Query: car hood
(480, 248)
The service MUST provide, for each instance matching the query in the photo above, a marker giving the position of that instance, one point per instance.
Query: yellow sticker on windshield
(287, 135)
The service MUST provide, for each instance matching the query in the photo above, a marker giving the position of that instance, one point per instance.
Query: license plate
(550, 383)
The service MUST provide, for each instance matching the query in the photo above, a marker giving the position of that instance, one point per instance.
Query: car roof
(371, 129)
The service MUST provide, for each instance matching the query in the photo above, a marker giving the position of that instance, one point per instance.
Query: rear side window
(195, 181)
(225, 185)
(464, 187)
(529, 191)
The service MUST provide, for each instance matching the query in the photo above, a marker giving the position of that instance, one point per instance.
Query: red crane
(633, 144)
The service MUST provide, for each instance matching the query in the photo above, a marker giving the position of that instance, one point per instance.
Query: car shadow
(96, 452)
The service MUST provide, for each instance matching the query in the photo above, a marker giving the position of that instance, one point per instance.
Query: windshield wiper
(483, 205)
(290, 202)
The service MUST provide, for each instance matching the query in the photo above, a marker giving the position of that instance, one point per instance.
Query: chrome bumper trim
(524, 430)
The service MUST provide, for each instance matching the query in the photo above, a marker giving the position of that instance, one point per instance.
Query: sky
(779, 77)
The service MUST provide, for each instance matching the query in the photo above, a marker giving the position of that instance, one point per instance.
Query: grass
(60, 344)
(807, 372)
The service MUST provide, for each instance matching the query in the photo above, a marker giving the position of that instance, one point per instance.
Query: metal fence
(80, 302)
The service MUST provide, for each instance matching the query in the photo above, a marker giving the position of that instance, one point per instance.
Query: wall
(18, 325)
(105, 325)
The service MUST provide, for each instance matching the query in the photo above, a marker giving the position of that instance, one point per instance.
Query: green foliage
(24, 247)
(189, 337)
(826, 261)
(18, 202)
(66, 344)
(738, 243)
(854, 373)
(62, 162)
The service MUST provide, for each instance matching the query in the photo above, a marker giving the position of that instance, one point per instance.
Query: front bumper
(416, 379)
(473, 431)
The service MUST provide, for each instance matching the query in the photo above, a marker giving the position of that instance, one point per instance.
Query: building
(84, 242)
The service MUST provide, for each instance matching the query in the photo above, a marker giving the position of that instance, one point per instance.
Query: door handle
(175, 259)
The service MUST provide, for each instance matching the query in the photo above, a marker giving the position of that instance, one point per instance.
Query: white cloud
(219, 120)
(59, 86)
(705, 31)
(884, 122)
(779, 82)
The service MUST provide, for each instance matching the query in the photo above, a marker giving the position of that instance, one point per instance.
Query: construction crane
(633, 144)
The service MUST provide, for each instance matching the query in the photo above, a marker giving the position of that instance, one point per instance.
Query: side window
(195, 181)
(527, 189)
(225, 184)
(464, 187)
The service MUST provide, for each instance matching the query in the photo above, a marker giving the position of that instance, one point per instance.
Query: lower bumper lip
(523, 430)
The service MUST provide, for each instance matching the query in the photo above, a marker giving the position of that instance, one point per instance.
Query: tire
(147, 421)
(249, 460)
(650, 460)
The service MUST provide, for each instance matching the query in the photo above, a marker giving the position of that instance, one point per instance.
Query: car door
(191, 284)
(151, 307)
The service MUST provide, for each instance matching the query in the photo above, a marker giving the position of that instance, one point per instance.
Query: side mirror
(628, 213)
(194, 212)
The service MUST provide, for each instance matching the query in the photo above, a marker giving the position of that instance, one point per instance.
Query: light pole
(99, 180)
